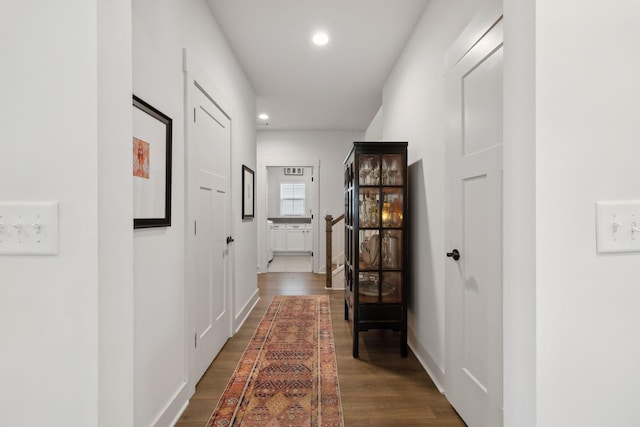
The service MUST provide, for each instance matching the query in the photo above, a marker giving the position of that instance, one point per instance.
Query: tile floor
(290, 264)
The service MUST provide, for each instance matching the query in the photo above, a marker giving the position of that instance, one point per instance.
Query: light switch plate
(28, 228)
(618, 226)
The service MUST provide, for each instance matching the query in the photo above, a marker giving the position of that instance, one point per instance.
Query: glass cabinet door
(391, 287)
(369, 250)
(369, 173)
(392, 207)
(369, 207)
(368, 287)
(392, 169)
(391, 249)
(380, 233)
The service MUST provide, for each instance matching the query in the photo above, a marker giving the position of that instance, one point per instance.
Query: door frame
(261, 204)
(195, 76)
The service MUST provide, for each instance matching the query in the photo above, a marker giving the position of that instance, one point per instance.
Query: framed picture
(293, 170)
(248, 199)
(151, 166)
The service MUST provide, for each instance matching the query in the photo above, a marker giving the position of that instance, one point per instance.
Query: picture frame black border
(168, 122)
(245, 214)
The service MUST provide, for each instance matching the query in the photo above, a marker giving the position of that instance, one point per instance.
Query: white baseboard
(177, 418)
(244, 311)
(427, 362)
(175, 406)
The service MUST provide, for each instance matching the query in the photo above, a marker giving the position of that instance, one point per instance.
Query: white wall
(160, 32)
(115, 204)
(587, 149)
(414, 105)
(374, 130)
(59, 315)
(519, 259)
(331, 148)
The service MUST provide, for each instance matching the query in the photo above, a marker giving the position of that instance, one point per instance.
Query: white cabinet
(295, 237)
(308, 239)
(269, 241)
(292, 237)
(279, 237)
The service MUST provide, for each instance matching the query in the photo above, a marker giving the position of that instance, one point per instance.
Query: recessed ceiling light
(320, 38)
(263, 116)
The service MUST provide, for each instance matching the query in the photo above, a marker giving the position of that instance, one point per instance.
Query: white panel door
(473, 362)
(211, 226)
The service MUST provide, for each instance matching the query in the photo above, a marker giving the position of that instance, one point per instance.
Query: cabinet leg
(403, 343)
(355, 341)
(346, 310)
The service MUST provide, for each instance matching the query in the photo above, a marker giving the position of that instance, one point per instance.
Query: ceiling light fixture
(263, 116)
(320, 38)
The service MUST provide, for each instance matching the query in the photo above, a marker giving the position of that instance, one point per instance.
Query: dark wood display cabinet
(376, 239)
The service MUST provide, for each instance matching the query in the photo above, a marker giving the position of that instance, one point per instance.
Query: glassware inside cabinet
(369, 287)
(369, 206)
(392, 169)
(369, 249)
(391, 249)
(391, 287)
(369, 169)
(392, 207)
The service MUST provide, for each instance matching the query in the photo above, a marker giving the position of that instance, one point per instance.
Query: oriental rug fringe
(288, 374)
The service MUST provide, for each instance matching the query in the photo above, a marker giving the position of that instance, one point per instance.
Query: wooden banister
(337, 220)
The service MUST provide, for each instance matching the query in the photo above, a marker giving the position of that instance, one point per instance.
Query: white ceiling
(302, 86)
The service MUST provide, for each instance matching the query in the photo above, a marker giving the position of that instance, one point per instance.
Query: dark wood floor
(378, 389)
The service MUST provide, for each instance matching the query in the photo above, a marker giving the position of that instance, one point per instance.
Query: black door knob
(455, 254)
(230, 239)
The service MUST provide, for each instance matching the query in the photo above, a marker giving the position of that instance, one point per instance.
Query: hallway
(379, 389)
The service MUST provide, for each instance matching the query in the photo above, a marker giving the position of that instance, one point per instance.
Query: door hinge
(195, 340)
(195, 227)
(194, 115)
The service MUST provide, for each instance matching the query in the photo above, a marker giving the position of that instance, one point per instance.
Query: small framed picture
(248, 200)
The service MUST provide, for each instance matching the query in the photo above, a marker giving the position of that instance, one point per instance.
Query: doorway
(289, 190)
(287, 208)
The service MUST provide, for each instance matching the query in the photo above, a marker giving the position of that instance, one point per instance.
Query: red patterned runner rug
(288, 374)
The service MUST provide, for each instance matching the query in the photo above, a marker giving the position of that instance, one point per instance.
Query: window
(292, 199)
